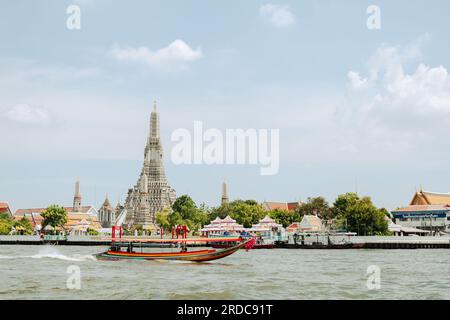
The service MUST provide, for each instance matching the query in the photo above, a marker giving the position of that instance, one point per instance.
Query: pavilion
(222, 227)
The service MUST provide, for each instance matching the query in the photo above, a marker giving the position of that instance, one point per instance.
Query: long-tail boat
(132, 246)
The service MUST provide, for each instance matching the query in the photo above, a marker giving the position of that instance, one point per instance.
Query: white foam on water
(50, 252)
(6, 257)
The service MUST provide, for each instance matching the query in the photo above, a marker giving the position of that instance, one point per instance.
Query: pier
(373, 242)
(355, 243)
(409, 244)
(369, 245)
(69, 241)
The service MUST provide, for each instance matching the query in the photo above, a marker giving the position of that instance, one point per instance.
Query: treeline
(8, 225)
(349, 212)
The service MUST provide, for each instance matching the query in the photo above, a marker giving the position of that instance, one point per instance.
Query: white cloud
(356, 81)
(278, 15)
(26, 114)
(398, 106)
(424, 91)
(178, 53)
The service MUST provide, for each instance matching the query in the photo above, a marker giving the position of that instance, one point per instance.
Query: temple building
(269, 230)
(430, 198)
(222, 227)
(108, 214)
(286, 206)
(309, 224)
(80, 218)
(152, 193)
(428, 212)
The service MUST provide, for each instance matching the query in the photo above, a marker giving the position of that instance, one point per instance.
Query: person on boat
(130, 248)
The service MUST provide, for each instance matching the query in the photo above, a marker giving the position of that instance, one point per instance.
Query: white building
(268, 230)
(222, 227)
(432, 218)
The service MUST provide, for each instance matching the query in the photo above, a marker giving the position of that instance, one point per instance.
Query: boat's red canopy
(174, 240)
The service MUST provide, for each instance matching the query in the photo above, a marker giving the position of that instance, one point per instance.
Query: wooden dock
(407, 245)
(360, 243)
(373, 244)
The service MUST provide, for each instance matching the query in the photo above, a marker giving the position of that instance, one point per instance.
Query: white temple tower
(107, 214)
(225, 198)
(77, 197)
(152, 193)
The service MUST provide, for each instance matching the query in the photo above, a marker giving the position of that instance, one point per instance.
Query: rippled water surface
(38, 272)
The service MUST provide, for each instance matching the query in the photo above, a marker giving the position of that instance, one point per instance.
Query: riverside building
(429, 211)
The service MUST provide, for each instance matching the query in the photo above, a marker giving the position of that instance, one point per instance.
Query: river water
(41, 272)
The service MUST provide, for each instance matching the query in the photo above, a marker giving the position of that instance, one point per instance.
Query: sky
(357, 109)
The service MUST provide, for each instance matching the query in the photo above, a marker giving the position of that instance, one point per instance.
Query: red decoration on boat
(250, 243)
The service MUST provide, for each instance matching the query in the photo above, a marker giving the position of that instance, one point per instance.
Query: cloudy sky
(357, 109)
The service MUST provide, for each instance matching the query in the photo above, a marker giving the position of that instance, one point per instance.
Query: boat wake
(51, 253)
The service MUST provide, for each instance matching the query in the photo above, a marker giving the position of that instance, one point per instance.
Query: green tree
(245, 212)
(92, 232)
(186, 212)
(343, 202)
(360, 215)
(220, 211)
(5, 226)
(5, 216)
(316, 206)
(162, 219)
(182, 203)
(54, 216)
(25, 224)
(284, 217)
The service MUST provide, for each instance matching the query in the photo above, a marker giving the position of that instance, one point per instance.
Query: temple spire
(225, 199)
(77, 197)
(152, 193)
(106, 203)
(154, 124)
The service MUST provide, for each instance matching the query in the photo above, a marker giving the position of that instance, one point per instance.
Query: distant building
(4, 208)
(399, 230)
(309, 224)
(293, 228)
(287, 206)
(428, 212)
(225, 199)
(79, 217)
(430, 198)
(107, 214)
(424, 217)
(77, 197)
(152, 192)
(269, 230)
(222, 227)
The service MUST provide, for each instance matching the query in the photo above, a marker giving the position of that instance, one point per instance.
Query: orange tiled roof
(276, 205)
(293, 227)
(430, 198)
(293, 205)
(84, 209)
(273, 205)
(4, 207)
(72, 218)
(433, 207)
